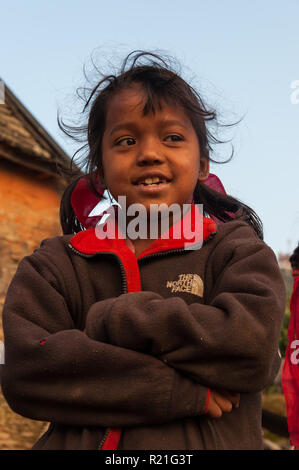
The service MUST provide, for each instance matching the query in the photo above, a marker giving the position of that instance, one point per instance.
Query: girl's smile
(151, 158)
(152, 182)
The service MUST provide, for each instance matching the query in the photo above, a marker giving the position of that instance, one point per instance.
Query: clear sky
(242, 56)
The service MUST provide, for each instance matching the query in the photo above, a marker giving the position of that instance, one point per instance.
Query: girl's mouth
(152, 184)
(152, 180)
(152, 188)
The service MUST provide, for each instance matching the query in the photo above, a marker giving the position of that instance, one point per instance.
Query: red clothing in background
(290, 373)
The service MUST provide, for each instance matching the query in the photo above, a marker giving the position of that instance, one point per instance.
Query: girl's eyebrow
(173, 122)
(133, 125)
(123, 125)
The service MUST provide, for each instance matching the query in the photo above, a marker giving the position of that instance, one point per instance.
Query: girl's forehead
(130, 102)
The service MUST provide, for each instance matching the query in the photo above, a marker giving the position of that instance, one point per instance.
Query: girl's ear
(204, 169)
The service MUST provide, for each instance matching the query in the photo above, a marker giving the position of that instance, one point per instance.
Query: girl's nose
(149, 154)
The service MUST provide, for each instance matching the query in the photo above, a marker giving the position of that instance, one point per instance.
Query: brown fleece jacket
(84, 354)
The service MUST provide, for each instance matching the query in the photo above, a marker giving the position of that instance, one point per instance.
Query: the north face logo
(187, 283)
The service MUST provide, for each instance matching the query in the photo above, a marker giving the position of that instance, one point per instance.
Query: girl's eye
(174, 138)
(126, 142)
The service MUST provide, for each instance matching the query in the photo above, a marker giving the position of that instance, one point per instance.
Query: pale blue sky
(244, 55)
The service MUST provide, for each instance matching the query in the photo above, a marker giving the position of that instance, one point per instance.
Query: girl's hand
(222, 402)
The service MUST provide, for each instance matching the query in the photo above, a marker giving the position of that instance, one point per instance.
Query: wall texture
(29, 213)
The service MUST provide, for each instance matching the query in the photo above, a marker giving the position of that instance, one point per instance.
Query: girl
(154, 342)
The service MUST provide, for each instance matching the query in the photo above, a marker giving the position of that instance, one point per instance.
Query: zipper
(124, 288)
(162, 253)
(104, 438)
(178, 250)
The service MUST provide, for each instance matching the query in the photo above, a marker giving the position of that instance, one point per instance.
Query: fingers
(214, 411)
(222, 402)
(234, 398)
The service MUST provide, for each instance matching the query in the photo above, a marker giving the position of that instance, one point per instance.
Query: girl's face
(150, 159)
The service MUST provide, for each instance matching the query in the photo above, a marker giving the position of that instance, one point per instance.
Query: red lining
(206, 408)
(83, 201)
(112, 440)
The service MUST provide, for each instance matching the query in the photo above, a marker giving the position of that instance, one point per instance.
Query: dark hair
(294, 258)
(161, 84)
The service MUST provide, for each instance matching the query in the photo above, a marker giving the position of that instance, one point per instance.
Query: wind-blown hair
(294, 258)
(161, 85)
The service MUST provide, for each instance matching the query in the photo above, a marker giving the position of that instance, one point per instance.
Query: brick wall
(29, 212)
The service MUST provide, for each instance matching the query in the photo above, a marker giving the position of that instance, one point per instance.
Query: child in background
(290, 372)
(159, 342)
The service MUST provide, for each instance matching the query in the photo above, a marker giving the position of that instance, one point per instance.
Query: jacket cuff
(188, 398)
(94, 326)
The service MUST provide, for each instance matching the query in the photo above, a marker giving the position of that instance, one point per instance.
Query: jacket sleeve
(231, 342)
(55, 372)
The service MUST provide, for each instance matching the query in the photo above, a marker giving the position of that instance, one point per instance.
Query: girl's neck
(162, 223)
(162, 227)
(140, 245)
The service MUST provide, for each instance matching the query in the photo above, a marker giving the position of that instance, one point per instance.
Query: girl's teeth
(151, 180)
(154, 180)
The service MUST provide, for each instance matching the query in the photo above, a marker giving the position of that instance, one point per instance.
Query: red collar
(295, 273)
(87, 242)
(83, 200)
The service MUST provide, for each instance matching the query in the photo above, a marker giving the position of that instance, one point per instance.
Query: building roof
(24, 141)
